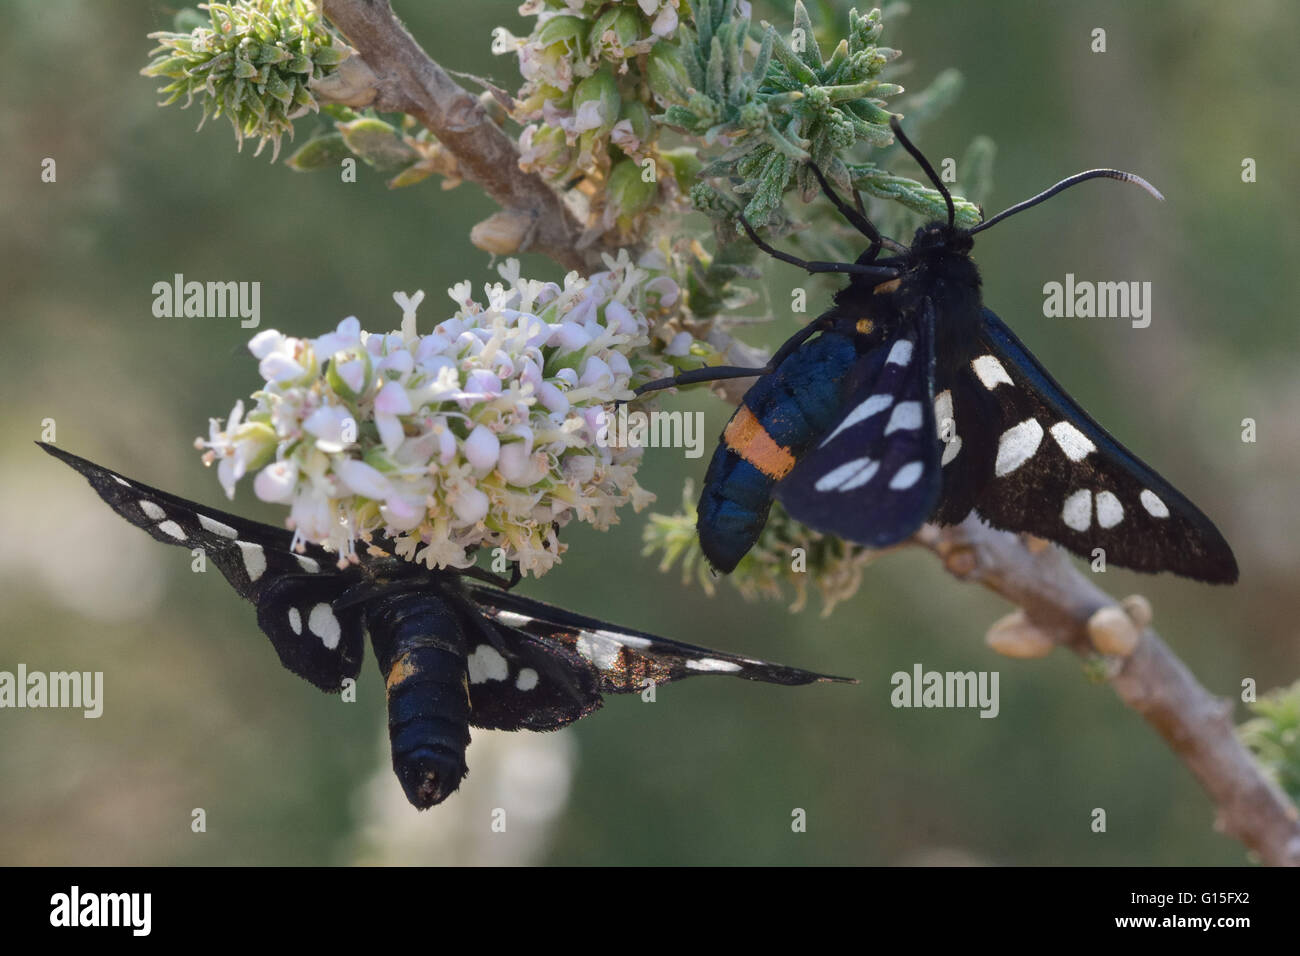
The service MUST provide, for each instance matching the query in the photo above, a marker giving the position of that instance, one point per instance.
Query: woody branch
(404, 79)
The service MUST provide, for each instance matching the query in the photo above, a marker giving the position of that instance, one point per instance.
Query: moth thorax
(419, 641)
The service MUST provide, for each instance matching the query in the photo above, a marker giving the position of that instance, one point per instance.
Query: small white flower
(680, 345)
(276, 482)
(481, 449)
(554, 399)
(362, 479)
(264, 343)
(392, 400)
(333, 427)
(346, 336)
(469, 504)
(595, 373)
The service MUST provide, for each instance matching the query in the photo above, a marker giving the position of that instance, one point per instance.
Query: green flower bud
(614, 31)
(629, 194)
(685, 164)
(378, 144)
(666, 74)
(600, 88)
(570, 32)
(636, 114)
(319, 153)
(545, 150)
(339, 384)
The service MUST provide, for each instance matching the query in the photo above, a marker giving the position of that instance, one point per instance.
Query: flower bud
(482, 448)
(629, 194)
(502, 233)
(666, 74)
(614, 31)
(567, 33)
(596, 103)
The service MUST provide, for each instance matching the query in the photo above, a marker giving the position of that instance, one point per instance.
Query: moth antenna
(1064, 184)
(925, 165)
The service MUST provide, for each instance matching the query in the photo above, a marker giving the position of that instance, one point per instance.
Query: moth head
(939, 237)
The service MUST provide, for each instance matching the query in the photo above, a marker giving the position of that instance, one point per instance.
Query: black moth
(454, 653)
(908, 401)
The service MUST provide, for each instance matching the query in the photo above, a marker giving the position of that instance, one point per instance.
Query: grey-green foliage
(773, 102)
(1274, 736)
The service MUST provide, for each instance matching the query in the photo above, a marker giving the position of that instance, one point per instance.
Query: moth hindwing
(453, 654)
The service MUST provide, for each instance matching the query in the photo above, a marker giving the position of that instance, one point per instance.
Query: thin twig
(408, 81)
(1196, 725)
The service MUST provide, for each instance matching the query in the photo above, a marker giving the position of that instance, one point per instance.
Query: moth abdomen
(420, 644)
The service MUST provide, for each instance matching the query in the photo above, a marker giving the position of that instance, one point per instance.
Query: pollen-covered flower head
(478, 434)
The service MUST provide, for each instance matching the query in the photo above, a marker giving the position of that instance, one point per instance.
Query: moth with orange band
(909, 401)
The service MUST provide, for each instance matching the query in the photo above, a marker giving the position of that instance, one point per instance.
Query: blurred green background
(199, 714)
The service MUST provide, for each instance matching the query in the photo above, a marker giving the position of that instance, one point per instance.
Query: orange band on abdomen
(747, 437)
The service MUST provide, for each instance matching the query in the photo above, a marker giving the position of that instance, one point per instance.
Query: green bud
(636, 114)
(319, 153)
(548, 151)
(377, 144)
(685, 164)
(666, 74)
(569, 31)
(623, 26)
(602, 88)
(336, 381)
(263, 436)
(628, 192)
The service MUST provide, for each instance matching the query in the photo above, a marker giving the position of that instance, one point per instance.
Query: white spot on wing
(627, 640)
(906, 416)
(1017, 445)
(712, 664)
(850, 475)
(152, 511)
(1077, 512)
(943, 406)
(900, 354)
(295, 620)
(121, 481)
(990, 371)
(310, 565)
(600, 648)
(527, 679)
(511, 619)
(906, 476)
(325, 625)
(172, 529)
(1155, 507)
(1109, 511)
(1073, 442)
(254, 559)
(217, 527)
(485, 664)
(950, 449)
(869, 407)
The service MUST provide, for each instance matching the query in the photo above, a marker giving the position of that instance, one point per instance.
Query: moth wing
(574, 660)
(294, 591)
(874, 478)
(1036, 462)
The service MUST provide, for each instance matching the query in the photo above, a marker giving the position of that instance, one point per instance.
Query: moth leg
(714, 373)
(857, 219)
(847, 268)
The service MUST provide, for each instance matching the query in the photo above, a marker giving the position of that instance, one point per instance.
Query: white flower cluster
(481, 434)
